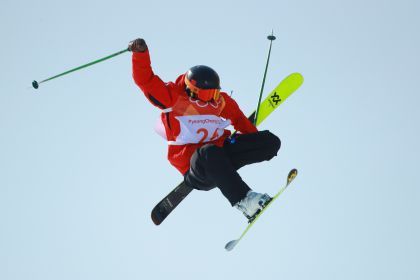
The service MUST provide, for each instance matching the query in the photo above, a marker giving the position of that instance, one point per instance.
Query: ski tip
(292, 175)
(231, 244)
(297, 76)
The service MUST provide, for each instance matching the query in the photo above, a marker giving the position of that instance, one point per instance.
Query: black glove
(138, 45)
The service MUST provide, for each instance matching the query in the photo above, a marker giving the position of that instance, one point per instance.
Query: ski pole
(35, 84)
(271, 38)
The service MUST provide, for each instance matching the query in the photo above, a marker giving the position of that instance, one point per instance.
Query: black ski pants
(213, 166)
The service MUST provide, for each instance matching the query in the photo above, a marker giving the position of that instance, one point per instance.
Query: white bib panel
(199, 129)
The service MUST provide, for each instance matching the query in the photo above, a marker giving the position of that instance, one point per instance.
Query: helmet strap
(190, 93)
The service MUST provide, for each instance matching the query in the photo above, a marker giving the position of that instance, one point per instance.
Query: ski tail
(161, 211)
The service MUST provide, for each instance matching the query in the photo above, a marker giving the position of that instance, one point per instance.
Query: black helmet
(203, 82)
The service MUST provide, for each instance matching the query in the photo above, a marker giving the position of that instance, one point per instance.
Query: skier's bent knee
(276, 143)
(209, 153)
(272, 141)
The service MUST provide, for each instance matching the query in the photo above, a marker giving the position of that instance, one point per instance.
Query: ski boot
(252, 204)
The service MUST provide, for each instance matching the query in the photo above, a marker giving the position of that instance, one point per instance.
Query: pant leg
(211, 167)
(252, 148)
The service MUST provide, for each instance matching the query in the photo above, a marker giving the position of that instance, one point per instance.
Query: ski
(168, 204)
(286, 87)
(290, 177)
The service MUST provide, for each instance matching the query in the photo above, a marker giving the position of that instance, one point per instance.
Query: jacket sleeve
(239, 121)
(156, 91)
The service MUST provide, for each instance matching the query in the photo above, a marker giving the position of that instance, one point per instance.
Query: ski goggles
(203, 94)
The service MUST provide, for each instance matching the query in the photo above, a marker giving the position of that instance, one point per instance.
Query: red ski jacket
(171, 95)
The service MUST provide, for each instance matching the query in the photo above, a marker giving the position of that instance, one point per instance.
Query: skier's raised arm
(155, 90)
(194, 118)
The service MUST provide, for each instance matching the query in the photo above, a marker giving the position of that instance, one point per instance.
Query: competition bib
(199, 122)
(199, 129)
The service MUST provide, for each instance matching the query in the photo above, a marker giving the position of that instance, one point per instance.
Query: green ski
(289, 85)
(231, 244)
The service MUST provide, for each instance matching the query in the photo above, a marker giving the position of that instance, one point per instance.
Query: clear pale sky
(81, 167)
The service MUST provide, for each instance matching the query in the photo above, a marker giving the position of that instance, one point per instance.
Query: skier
(195, 114)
